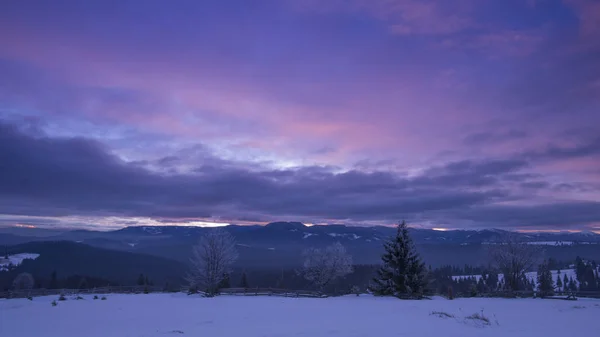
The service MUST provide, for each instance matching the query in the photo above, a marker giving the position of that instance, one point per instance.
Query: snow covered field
(179, 314)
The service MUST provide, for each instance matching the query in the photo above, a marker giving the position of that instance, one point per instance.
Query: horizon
(221, 225)
(457, 114)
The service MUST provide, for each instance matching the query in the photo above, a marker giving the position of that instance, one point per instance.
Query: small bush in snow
(62, 297)
(54, 303)
(95, 297)
(441, 314)
(479, 317)
(78, 297)
(103, 298)
(30, 298)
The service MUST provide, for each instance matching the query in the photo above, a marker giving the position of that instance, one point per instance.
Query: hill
(70, 258)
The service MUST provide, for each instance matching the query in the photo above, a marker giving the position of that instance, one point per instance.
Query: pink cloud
(588, 12)
(405, 17)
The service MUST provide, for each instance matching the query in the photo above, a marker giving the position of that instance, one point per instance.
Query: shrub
(103, 298)
(30, 298)
(480, 317)
(473, 290)
(54, 303)
(78, 297)
(62, 297)
(95, 297)
(441, 314)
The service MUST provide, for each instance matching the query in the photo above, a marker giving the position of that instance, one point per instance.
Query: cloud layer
(459, 113)
(45, 176)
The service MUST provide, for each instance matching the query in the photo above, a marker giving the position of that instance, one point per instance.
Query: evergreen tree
(244, 281)
(403, 272)
(559, 283)
(572, 285)
(545, 283)
(141, 280)
(566, 281)
(53, 281)
(83, 284)
(580, 267)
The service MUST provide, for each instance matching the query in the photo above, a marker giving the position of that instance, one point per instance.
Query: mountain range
(280, 244)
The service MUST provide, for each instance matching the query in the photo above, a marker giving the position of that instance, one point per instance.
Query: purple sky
(446, 113)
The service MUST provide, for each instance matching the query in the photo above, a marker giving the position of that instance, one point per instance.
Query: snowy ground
(16, 259)
(225, 316)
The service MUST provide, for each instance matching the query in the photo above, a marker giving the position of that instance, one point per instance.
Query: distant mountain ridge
(282, 243)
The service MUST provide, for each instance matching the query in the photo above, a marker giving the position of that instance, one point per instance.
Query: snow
(551, 243)
(307, 235)
(156, 315)
(16, 259)
(152, 230)
(352, 236)
(531, 275)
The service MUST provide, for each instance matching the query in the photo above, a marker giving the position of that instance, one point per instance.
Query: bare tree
(514, 258)
(23, 281)
(322, 266)
(211, 260)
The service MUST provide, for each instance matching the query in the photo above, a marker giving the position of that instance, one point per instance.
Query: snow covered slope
(531, 275)
(182, 315)
(16, 260)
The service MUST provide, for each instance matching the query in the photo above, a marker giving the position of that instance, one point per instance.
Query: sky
(447, 113)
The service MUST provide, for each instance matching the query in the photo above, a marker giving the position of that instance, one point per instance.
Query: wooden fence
(253, 292)
(266, 292)
(67, 292)
(156, 289)
(532, 294)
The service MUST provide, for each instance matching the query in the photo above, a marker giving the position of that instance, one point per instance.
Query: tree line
(402, 273)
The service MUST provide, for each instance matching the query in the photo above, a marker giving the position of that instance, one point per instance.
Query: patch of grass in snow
(103, 298)
(177, 331)
(54, 303)
(578, 307)
(441, 314)
(480, 317)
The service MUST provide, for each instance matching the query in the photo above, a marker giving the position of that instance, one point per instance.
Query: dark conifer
(244, 281)
(402, 274)
(544, 278)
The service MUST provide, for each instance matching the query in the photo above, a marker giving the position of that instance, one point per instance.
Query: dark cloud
(77, 176)
(584, 148)
(535, 184)
(490, 137)
(560, 215)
